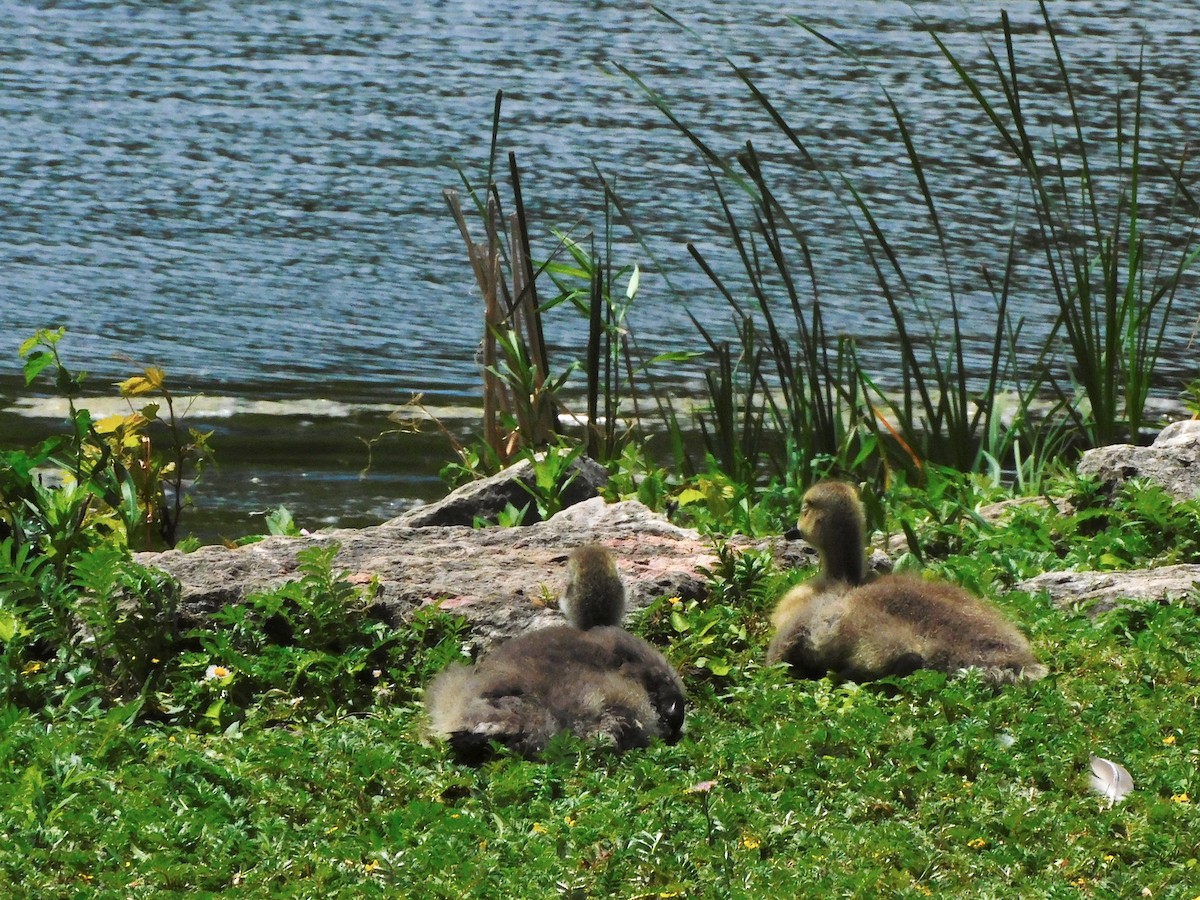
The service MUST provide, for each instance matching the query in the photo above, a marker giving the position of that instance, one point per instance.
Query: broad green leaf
(48, 336)
(213, 712)
(9, 625)
(35, 364)
(719, 667)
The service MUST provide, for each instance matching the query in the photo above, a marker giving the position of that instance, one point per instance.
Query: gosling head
(594, 594)
(832, 520)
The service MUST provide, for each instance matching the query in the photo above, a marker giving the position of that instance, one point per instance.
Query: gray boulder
(486, 499)
(1099, 592)
(502, 580)
(1172, 461)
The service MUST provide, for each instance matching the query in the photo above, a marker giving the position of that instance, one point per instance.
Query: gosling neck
(845, 558)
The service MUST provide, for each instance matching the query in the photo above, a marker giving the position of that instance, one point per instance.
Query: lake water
(250, 193)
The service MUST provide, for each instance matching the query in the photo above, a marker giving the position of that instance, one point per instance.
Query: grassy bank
(913, 787)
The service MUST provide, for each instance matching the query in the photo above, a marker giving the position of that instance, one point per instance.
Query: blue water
(250, 193)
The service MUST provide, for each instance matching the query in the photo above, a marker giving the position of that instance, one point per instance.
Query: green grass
(924, 786)
(894, 790)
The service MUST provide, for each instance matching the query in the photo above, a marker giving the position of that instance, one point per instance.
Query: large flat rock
(503, 580)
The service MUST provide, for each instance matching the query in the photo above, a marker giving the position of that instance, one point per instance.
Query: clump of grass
(525, 400)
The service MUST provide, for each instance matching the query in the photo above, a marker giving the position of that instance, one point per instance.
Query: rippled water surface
(249, 194)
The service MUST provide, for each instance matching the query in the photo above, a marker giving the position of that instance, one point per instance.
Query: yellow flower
(922, 889)
(570, 821)
(539, 828)
(674, 601)
(371, 866)
(32, 667)
(1181, 798)
(977, 843)
(1169, 740)
(1108, 857)
(750, 842)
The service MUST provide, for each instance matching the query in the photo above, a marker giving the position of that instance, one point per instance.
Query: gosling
(591, 678)
(594, 594)
(839, 623)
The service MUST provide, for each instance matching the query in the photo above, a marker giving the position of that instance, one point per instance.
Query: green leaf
(35, 363)
(9, 625)
(67, 384)
(673, 356)
(49, 337)
(280, 521)
(213, 713)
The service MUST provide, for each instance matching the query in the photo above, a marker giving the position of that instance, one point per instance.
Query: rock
(1172, 461)
(502, 580)
(487, 498)
(998, 513)
(1102, 591)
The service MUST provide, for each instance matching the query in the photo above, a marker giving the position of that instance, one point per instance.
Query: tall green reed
(830, 407)
(929, 404)
(1115, 289)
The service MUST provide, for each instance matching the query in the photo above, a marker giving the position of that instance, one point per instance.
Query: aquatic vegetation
(1115, 251)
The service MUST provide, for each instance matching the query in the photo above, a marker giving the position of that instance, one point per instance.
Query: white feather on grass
(1110, 779)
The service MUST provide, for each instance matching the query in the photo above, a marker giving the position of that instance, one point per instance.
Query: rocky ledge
(502, 580)
(507, 580)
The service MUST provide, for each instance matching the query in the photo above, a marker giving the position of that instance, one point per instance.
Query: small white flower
(216, 673)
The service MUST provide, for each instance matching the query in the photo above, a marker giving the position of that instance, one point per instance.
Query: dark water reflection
(250, 193)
